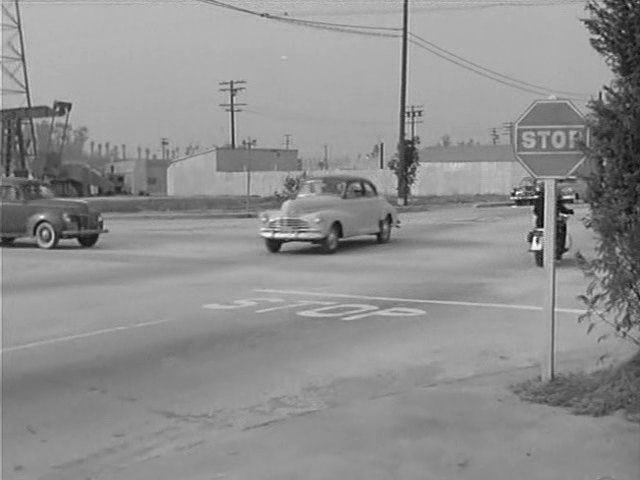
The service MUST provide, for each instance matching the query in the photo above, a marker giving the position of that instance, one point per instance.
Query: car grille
(294, 224)
(83, 221)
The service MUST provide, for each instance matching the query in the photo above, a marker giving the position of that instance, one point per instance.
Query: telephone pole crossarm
(231, 107)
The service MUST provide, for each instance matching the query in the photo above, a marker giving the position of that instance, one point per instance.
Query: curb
(175, 215)
(493, 204)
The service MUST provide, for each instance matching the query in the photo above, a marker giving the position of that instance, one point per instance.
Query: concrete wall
(192, 175)
(197, 176)
(143, 175)
(157, 177)
(260, 159)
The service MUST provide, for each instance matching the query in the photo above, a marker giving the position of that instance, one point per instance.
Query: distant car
(526, 192)
(568, 194)
(29, 208)
(326, 209)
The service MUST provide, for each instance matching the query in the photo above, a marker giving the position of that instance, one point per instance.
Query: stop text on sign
(550, 139)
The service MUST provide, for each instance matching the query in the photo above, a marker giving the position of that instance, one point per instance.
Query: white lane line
(69, 338)
(416, 300)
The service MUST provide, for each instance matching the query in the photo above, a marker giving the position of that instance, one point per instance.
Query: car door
(372, 210)
(355, 206)
(12, 210)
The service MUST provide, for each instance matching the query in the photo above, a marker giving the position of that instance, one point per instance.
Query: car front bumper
(82, 233)
(293, 236)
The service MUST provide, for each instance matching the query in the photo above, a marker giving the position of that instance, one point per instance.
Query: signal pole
(232, 105)
(402, 178)
(248, 144)
(287, 140)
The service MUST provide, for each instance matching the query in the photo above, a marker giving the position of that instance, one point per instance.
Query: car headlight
(264, 217)
(68, 218)
(317, 220)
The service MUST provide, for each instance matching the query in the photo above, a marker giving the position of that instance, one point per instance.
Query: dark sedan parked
(28, 208)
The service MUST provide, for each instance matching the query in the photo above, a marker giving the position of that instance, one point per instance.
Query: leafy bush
(290, 186)
(613, 294)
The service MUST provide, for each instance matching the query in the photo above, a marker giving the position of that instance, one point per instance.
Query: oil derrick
(18, 146)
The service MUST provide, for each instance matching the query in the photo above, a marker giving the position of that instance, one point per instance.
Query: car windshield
(34, 191)
(322, 186)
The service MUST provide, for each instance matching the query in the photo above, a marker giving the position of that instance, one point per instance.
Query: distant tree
(445, 140)
(50, 139)
(290, 186)
(613, 294)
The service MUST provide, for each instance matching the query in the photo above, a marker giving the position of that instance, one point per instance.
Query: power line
(488, 70)
(421, 43)
(542, 91)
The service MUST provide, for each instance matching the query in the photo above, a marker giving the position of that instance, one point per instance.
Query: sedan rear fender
(51, 217)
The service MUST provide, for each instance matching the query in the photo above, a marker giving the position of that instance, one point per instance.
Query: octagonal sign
(548, 138)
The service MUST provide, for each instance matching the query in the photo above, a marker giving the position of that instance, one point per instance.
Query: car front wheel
(273, 245)
(46, 235)
(330, 243)
(88, 240)
(384, 235)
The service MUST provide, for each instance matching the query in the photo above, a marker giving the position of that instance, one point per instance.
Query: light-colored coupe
(329, 208)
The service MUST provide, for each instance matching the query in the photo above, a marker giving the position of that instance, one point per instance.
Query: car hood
(75, 206)
(306, 205)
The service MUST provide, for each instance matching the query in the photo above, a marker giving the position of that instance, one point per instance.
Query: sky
(140, 70)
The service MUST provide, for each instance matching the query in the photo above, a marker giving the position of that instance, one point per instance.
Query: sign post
(549, 262)
(548, 144)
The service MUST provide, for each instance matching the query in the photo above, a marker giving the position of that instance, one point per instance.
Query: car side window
(9, 193)
(354, 190)
(369, 190)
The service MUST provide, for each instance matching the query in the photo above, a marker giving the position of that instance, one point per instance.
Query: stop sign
(548, 138)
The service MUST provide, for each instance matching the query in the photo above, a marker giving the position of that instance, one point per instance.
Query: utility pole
(507, 128)
(247, 144)
(495, 137)
(381, 152)
(232, 106)
(402, 164)
(326, 157)
(415, 112)
(165, 144)
(287, 140)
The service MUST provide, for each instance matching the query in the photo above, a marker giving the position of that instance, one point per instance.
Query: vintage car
(568, 194)
(29, 208)
(526, 192)
(326, 209)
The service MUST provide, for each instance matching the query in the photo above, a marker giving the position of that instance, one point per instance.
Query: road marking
(416, 300)
(69, 338)
(323, 309)
(301, 303)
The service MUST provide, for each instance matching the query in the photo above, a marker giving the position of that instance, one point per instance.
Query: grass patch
(131, 204)
(597, 394)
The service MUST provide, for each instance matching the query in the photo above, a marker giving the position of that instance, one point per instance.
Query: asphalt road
(171, 334)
